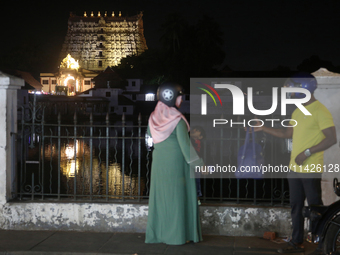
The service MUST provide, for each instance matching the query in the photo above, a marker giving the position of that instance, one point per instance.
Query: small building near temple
(69, 79)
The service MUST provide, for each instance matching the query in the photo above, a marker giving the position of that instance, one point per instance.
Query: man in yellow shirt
(312, 135)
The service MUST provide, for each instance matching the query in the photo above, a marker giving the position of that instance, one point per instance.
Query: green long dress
(173, 209)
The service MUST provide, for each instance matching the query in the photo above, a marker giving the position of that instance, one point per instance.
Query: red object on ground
(269, 235)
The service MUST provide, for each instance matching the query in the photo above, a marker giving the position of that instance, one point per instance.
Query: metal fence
(86, 158)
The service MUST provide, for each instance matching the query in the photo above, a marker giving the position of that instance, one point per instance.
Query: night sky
(259, 35)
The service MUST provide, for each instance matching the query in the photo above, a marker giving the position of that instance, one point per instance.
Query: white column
(328, 93)
(8, 126)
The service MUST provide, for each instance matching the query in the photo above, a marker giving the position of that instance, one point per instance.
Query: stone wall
(230, 220)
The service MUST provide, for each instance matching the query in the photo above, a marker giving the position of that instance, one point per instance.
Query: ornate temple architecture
(103, 40)
(91, 45)
(69, 79)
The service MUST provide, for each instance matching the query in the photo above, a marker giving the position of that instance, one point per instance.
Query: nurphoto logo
(232, 115)
(238, 99)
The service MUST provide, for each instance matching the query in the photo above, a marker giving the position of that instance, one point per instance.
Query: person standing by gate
(173, 210)
(312, 135)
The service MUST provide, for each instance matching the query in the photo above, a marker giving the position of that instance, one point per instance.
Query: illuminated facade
(70, 78)
(101, 41)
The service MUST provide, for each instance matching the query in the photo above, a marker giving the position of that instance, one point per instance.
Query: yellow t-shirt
(307, 133)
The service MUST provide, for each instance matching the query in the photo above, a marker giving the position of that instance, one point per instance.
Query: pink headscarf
(164, 119)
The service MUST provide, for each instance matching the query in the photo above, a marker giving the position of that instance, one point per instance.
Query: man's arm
(330, 139)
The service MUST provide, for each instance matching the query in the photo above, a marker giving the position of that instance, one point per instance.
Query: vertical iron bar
(222, 163)
(271, 180)
(282, 191)
(255, 192)
(91, 150)
(116, 161)
(43, 152)
(33, 120)
(68, 159)
(51, 154)
(99, 162)
(39, 164)
(205, 179)
(22, 150)
(238, 180)
(139, 155)
(59, 154)
(25, 154)
(254, 200)
(32, 196)
(83, 163)
(147, 169)
(123, 155)
(107, 155)
(230, 153)
(75, 154)
(131, 161)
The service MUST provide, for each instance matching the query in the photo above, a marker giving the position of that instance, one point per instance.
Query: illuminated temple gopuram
(98, 41)
(93, 43)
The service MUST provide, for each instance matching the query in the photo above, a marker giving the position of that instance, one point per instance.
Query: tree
(208, 45)
(187, 51)
(174, 34)
(148, 66)
(191, 51)
(314, 63)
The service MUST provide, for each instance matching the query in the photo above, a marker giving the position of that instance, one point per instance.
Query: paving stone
(90, 243)
(15, 240)
(74, 242)
(131, 243)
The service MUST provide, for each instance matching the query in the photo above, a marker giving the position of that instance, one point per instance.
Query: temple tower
(103, 40)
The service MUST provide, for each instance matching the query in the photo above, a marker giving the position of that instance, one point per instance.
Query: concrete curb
(53, 253)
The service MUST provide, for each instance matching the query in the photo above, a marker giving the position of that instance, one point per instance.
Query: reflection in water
(69, 151)
(80, 177)
(71, 168)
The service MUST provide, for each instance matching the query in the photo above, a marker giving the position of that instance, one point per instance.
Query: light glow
(150, 97)
(67, 79)
(69, 63)
(148, 140)
(72, 169)
(69, 151)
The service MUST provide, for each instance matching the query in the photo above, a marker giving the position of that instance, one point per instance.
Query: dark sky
(259, 35)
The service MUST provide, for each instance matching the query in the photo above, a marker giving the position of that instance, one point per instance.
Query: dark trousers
(198, 187)
(299, 190)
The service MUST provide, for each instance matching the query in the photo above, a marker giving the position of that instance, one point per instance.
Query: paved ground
(88, 243)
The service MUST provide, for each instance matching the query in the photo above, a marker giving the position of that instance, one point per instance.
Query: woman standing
(173, 208)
